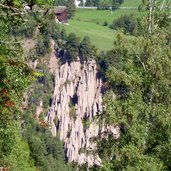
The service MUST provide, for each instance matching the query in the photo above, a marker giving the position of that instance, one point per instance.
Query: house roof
(59, 9)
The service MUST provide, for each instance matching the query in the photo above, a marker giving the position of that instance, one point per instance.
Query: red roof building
(61, 14)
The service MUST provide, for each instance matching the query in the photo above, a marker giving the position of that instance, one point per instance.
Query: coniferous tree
(86, 49)
(89, 3)
(72, 45)
(63, 34)
(71, 8)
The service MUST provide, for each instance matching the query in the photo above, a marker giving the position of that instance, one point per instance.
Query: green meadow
(89, 22)
(131, 3)
(101, 37)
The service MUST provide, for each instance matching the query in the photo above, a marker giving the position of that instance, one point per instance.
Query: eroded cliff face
(77, 100)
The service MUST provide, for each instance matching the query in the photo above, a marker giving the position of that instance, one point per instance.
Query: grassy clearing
(101, 37)
(88, 22)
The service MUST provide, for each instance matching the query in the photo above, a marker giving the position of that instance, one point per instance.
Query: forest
(136, 78)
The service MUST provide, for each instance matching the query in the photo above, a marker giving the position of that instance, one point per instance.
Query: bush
(72, 110)
(46, 151)
(56, 34)
(105, 23)
(63, 34)
(72, 46)
(106, 4)
(43, 45)
(27, 29)
(103, 5)
(86, 50)
(126, 22)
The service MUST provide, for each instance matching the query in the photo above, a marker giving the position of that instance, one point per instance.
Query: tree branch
(161, 8)
(7, 7)
(141, 62)
(12, 14)
(6, 42)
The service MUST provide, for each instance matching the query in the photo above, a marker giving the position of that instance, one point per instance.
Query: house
(61, 14)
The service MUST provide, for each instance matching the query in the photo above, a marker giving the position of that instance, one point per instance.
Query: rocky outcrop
(39, 109)
(77, 99)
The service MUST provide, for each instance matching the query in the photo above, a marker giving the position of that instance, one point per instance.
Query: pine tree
(86, 49)
(71, 8)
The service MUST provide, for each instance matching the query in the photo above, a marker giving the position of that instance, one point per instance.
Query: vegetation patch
(72, 109)
(86, 123)
(91, 22)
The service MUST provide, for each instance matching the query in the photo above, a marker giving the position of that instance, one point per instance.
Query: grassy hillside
(101, 37)
(88, 22)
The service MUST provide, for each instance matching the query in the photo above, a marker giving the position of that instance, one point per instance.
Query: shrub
(107, 4)
(63, 34)
(27, 29)
(86, 49)
(43, 45)
(86, 123)
(105, 23)
(72, 46)
(56, 33)
(72, 110)
(126, 22)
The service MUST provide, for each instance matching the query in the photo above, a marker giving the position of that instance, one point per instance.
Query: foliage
(40, 149)
(104, 4)
(45, 150)
(109, 4)
(19, 158)
(90, 3)
(158, 14)
(56, 35)
(81, 3)
(43, 45)
(105, 23)
(73, 49)
(26, 29)
(63, 34)
(87, 51)
(31, 3)
(72, 45)
(59, 2)
(43, 88)
(71, 8)
(72, 112)
(126, 22)
(141, 83)
(72, 106)
(15, 76)
(86, 123)
(84, 24)
(49, 29)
